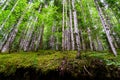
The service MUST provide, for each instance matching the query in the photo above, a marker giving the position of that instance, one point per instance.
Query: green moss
(44, 60)
(51, 60)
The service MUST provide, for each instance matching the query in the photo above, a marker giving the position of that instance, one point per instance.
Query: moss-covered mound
(58, 65)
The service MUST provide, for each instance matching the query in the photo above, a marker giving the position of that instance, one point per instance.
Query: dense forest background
(31, 25)
(59, 39)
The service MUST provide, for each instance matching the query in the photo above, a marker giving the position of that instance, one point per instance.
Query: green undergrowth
(46, 60)
(107, 57)
(43, 60)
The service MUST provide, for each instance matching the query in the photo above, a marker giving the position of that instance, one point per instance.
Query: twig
(87, 71)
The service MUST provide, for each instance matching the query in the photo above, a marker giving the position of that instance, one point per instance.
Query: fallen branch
(87, 71)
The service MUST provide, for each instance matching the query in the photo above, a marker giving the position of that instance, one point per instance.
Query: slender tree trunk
(71, 27)
(22, 43)
(57, 41)
(90, 39)
(4, 41)
(33, 41)
(6, 4)
(68, 38)
(65, 42)
(84, 16)
(107, 18)
(106, 28)
(94, 45)
(52, 39)
(67, 28)
(63, 26)
(1, 27)
(30, 32)
(28, 37)
(76, 28)
(39, 38)
(82, 40)
(100, 47)
(21, 39)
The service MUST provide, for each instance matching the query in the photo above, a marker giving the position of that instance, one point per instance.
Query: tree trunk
(13, 33)
(5, 39)
(52, 39)
(76, 28)
(106, 28)
(82, 40)
(6, 4)
(68, 38)
(57, 41)
(63, 26)
(39, 38)
(94, 45)
(71, 27)
(30, 32)
(90, 39)
(1, 27)
(100, 47)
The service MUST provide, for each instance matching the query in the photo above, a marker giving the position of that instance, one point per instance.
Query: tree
(76, 32)
(106, 28)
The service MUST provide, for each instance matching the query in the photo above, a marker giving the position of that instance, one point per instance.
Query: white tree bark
(71, 27)
(76, 28)
(106, 28)
(63, 26)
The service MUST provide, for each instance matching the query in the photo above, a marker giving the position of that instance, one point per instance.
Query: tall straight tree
(76, 32)
(71, 26)
(106, 27)
(63, 26)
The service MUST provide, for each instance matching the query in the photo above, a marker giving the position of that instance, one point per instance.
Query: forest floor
(59, 65)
